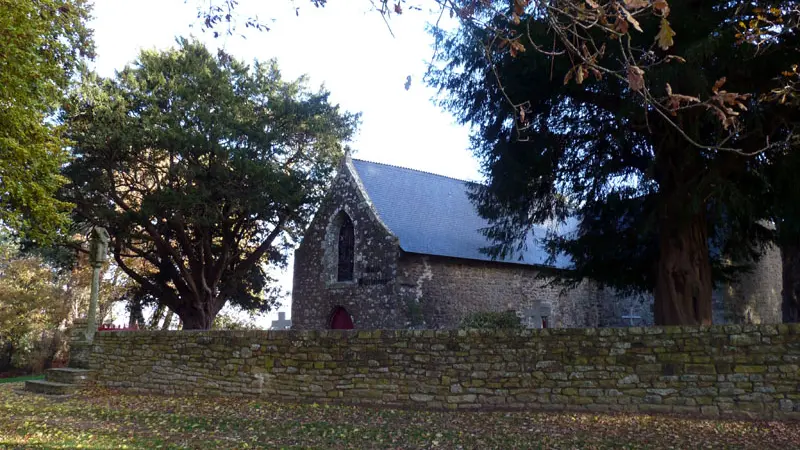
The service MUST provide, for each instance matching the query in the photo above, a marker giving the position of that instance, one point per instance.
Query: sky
(345, 46)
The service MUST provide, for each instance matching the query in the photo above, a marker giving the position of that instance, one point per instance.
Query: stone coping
(766, 329)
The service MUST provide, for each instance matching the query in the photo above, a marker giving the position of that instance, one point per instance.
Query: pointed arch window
(346, 247)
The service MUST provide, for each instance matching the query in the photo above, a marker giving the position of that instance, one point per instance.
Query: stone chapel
(395, 248)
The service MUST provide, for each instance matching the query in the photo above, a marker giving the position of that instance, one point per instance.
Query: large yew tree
(204, 169)
(658, 147)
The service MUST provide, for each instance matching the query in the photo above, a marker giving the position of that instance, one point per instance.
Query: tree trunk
(157, 314)
(200, 314)
(790, 257)
(195, 319)
(167, 320)
(683, 280)
(6, 355)
(136, 314)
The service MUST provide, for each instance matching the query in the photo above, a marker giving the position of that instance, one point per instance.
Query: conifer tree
(204, 170)
(659, 148)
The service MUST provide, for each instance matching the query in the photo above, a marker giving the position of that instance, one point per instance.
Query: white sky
(344, 46)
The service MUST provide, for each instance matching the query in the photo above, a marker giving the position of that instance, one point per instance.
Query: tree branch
(160, 243)
(245, 265)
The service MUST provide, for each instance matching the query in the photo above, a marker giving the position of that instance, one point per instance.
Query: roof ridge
(415, 170)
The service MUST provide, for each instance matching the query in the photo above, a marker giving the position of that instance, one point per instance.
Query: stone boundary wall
(727, 371)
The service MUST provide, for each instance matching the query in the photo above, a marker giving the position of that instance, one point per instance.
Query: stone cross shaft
(98, 254)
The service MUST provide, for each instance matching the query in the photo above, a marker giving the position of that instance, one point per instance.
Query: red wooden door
(340, 320)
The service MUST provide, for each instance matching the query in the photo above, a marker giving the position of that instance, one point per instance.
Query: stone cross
(98, 246)
(98, 254)
(281, 323)
(631, 316)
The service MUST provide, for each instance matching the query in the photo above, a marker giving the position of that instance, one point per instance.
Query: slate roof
(432, 215)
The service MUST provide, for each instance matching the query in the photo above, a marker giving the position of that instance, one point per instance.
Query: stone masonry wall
(440, 291)
(444, 290)
(755, 297)
(370, 298)
(728, 371)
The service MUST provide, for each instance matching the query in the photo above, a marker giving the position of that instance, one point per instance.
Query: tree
(44, 43)
(30, 304)
(204, 170)
(233, 319)
(663, 185)
(224, 13)
(38, 300)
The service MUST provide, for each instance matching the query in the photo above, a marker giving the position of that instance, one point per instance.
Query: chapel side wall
(719, 371)
(755, 297)
(371, 298)
(439, 291)
(617, 310)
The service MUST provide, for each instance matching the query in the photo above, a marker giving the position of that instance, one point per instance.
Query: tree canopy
(43, 44)
(660, 191)
(204, 170)
(39, 299)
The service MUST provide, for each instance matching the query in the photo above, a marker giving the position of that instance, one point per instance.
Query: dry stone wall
(728, 371)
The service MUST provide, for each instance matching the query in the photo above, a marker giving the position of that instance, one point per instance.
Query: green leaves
(491, 320)
(43, 44)
(614, 153)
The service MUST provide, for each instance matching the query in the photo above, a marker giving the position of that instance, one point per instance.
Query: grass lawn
(21, 379)
(104, 419)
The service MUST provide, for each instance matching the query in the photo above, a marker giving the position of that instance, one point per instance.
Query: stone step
(50, 387)
(68, 375)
